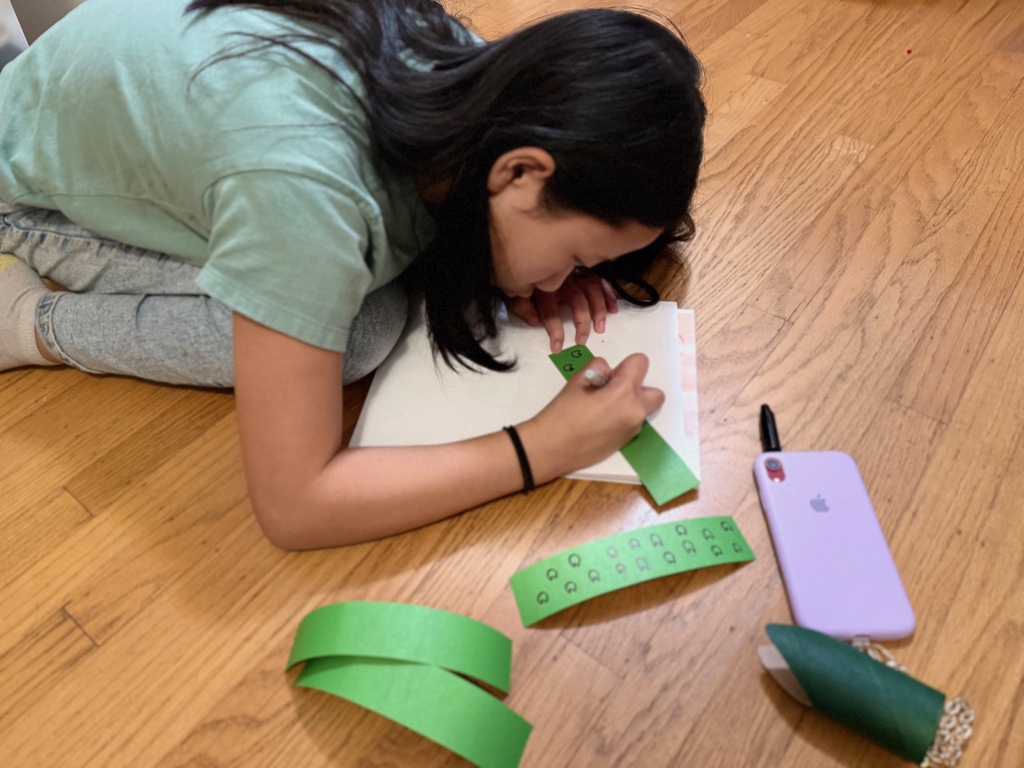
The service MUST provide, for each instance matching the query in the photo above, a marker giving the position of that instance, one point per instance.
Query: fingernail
(599, 326)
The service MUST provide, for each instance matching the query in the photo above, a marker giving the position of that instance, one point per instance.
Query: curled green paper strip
(403, 632)
(443, 707)
(664, 474)
(625, 559)
(882, 704)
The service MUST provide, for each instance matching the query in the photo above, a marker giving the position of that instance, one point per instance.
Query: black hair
(612, 95)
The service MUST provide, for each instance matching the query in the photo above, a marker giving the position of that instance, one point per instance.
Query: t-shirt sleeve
(289, 252)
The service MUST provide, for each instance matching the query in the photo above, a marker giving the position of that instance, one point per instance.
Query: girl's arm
(306, 492)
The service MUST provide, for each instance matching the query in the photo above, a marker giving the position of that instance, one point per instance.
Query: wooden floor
(858, 265)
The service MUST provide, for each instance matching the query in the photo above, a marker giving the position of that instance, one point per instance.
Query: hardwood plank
(41, 661)
(154, 706)
(66, 435)
(178, 418)
(26, 390)
(949, 347)
(172, 498)
(27, 537)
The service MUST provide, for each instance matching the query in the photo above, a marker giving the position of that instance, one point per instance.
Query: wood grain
(859, 264)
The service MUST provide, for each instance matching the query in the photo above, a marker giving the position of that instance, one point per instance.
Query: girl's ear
(522, 166)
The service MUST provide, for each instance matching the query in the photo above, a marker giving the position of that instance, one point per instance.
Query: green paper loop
(398, 660)
(625, 559)
(664, 474)
(410, 633)
(430, 701)
(882, 704)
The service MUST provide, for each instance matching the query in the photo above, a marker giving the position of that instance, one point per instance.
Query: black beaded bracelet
(524, 463)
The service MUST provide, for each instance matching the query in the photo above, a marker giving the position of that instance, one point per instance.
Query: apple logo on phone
(818, 504)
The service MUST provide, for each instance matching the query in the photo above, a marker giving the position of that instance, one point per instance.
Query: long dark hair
(613, 96)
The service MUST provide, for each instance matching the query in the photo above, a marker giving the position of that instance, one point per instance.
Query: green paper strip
(625, 559)
(664, 474)
(882, 704)
(430, 701)
(403, 632)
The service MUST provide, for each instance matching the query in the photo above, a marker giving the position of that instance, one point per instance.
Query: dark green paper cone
(882, 704)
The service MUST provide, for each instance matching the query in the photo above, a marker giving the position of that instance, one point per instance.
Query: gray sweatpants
(139, 313)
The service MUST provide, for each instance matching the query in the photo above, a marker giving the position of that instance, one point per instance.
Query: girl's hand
(584, 424)
(590, 297)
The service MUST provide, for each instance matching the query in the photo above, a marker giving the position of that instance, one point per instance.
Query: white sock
(20, 292)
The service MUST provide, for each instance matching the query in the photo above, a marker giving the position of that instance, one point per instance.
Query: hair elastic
(524, 462)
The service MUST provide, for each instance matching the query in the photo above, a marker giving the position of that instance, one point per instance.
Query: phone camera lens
(774, 469)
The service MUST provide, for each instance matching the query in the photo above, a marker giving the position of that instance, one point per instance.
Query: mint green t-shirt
(257, 168)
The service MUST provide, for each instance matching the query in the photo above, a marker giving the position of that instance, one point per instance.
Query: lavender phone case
(839, 574)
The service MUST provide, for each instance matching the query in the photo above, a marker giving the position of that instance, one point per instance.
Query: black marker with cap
(769, 433)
